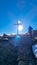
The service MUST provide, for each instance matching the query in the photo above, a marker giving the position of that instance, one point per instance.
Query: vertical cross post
(17, 24)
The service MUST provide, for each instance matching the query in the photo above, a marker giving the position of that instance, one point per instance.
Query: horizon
(15, 33)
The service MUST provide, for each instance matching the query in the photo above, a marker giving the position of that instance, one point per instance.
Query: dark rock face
(11, 54)
(8, 54)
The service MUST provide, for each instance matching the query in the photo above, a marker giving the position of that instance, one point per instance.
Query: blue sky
(13, 10)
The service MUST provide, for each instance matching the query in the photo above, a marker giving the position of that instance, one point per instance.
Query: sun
(20, 27)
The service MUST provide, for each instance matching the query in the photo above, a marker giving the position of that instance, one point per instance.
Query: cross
(17, 24)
